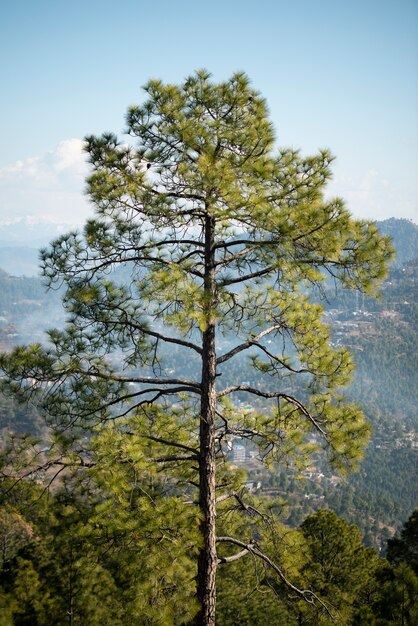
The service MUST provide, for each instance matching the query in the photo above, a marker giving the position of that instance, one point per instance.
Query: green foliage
(15, 532)
(399, 595)
(404, 547)
(201, 230)
(210, 151)
(338, 566)
(246, 596)
(109, 549)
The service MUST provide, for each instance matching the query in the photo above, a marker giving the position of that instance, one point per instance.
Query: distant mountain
(20, 243)
(31, 234)
(26, 309)
(19, 261)
(404, 234)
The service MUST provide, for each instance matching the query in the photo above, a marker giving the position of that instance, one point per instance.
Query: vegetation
(90, 555)
(219, 242)
(404, 235)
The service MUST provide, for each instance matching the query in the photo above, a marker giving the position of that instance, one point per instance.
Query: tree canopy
(205, 249)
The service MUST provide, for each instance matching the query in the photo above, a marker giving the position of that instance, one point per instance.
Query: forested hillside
(75, 554)
(382, 336)
(404, 234)
(26, 310)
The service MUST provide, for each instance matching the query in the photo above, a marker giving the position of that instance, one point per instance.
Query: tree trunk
(207, 561)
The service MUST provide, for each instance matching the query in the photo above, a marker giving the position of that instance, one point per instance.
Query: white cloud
(46, 188)
(69, 155)
(373, 196)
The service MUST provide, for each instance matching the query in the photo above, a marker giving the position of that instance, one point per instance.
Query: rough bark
(207, 561)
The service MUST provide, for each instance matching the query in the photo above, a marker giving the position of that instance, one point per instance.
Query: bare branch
(245, 277)
(121, 399)
(177, 196)
(175, 242)
(174, 444)
(276, 359)
(246, 242)
(44, 467)
(274, 394)
(157, 260)
(247, 344)
(234, 557)
(152, 333)
(242, 505)
(232, 257)
(146, 380)
(174, 457)
(305, 594)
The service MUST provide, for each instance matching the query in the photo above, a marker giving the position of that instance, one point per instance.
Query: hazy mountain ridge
(382, 336)
(20, 243)
(404, 235)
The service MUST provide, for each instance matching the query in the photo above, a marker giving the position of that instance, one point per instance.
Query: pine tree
(205, 248)
(404, 546)
(339, 567)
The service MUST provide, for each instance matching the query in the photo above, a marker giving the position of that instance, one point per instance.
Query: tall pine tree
(205, 248)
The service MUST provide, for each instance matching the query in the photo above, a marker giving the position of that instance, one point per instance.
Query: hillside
(19, 244)
(26, 310)
(404, 234)
(382, 336)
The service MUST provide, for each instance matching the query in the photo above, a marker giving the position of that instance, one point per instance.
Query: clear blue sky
(336, 74)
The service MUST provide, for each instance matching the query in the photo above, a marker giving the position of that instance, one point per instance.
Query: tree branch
(276, 359)
(243, 242)
(174, 457)
(145, 380)
(234, 557)
(274, 394)
(174, 444)
(305, 594)
(247, 344)
(241, 279)
(151, 333)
